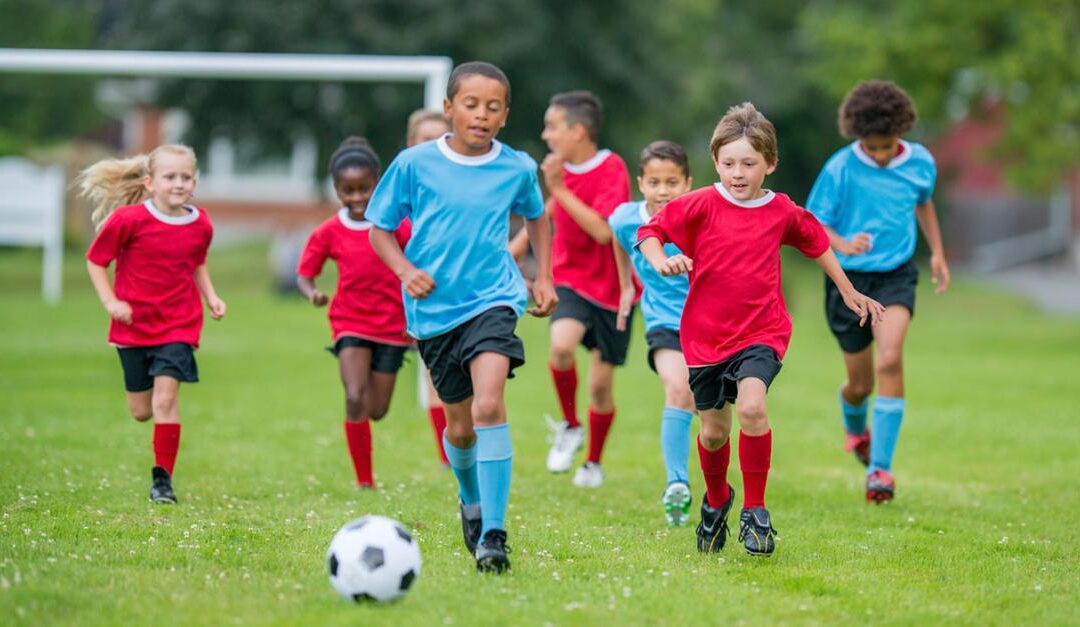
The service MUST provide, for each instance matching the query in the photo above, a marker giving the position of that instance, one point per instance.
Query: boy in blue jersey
(869, 196)
(463, 291)
(663, 174)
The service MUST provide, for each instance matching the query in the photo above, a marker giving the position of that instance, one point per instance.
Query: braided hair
(354, 152)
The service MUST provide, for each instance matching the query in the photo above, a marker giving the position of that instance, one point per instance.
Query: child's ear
(772, 167)
(641, 185)
(446, 106)
(148, 183)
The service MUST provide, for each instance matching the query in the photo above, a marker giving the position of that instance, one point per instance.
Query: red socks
(566, 388)
(755, 454)
(714, 465)
(438, 425)
(358, 435)
(166, 444)
(599, 425)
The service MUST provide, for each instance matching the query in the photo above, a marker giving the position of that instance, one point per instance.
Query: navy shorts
(661, 338)
(142, 363)
(600, 332)
(447, 356)
(385, 358)
(719, 383)
(895, 287)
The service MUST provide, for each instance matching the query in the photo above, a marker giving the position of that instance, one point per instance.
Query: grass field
(984, 530)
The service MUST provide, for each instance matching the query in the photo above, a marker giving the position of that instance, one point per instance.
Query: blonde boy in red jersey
(735, 327)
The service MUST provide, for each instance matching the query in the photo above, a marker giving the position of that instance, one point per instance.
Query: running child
(463, 291)
(586, 185)
(159, 243)
(663, 174)
(366, 316)
(869, 196)
(735, 327)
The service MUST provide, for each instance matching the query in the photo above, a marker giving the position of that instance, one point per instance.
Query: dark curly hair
(876, 108)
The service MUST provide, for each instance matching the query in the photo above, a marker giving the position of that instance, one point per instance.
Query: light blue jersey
(460, 208)
(853, 194)
(664, 296)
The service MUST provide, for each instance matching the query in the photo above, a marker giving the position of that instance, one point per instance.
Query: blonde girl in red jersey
(367, 317)
(159, 243)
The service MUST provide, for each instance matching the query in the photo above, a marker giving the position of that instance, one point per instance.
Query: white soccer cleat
(565, 443)
(589, 475)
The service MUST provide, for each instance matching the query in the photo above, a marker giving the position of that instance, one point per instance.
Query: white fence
(32, 214)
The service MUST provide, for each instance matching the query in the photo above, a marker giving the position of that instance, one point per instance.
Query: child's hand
(318, 299)
(217, 307)
(418, 283)
(864, 306)
(544, 294)
(552, 167)
(858, 245)
(626, 305)
(119, 310)
(676, 265)
(939, 273)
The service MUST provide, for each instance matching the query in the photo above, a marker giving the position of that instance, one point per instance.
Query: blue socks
(493, 458)
(854, 416)
(888, 414)
(675, 443)
(463, 462)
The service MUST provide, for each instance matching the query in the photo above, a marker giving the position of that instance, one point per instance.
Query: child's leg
(714, 451)
(141, 404)
(678, 412)
(377, 394)
(889, 406)
(494, 454)
(755, 440)
(165, 407)
(566, 335)
(355, 365)
(459, 440)
(857, 388)
(437, 415)
(601, 404)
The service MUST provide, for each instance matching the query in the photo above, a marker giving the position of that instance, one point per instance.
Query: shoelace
(745, 526)
(497, 539)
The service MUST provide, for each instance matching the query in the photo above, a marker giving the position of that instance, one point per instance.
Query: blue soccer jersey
(664, 296)
(853, 194)
(459, 206)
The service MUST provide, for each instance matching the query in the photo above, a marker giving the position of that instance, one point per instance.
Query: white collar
(644, 212)
(192, 216)
(896, 161)
(588, 164)
(470, 160)
(349, 223)
(749, 204)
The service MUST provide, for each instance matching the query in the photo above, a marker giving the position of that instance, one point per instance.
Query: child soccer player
(463, 292)
(586, 184)
(159, 243)
(735, 327)
(366, 317)
(869, 196)
(663, 174)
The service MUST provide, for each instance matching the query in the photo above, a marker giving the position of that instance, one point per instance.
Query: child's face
(880, 148)
(172, 181)
(742, 169)
(561, 138)
(429, 130)
(662, 180)
(354, 187)
(476, 113)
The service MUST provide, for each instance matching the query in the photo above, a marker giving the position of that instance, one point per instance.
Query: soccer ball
(373, 559)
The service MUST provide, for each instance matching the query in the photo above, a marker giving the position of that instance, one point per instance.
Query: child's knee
(378, 410)
(562, 356)
(752, 412)
(859, 390)
(714, 434)
(142, 414)
(678, 395)
(889, 363)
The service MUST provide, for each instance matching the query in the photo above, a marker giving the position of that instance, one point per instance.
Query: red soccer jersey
(577, 261)
(367, 302)
(156, 257)
(735, 298)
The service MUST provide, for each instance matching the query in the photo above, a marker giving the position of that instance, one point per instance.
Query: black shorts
(719, 383)
(142, 363)
(385, 358)
(447, 356)
(600, 332)
(661, 338)
(895, 287)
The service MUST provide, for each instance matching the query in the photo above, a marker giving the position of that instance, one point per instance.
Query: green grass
(984, 530)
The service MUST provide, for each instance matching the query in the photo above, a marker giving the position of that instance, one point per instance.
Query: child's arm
(658, 259)
(310, 291)
(862, 305)
(519, 244)
(858, 245)
(926, 215)
(590, 221)
(418, 284)
(623, 267)
(543, 288)
(99, 277)
(216, 305)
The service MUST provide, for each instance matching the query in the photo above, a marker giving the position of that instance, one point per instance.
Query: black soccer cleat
(712, 531)
(756, 531)
(491, 553)
(470, 526)
(162, 491)
(880, 487)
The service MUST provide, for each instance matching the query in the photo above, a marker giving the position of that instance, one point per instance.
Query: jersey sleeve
(672, 224)
(624, 232)
(315, 254)
(926, 191)
(114, 235)
(805, 233)
(392, 200)
(208, 237)
(615, 193)
(529, 203)
(824, 199)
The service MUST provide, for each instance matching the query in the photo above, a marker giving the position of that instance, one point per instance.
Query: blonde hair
(112, 183)
(746, 121)
(418, 117)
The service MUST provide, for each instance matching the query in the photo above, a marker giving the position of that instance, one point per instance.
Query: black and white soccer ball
(373, 558)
